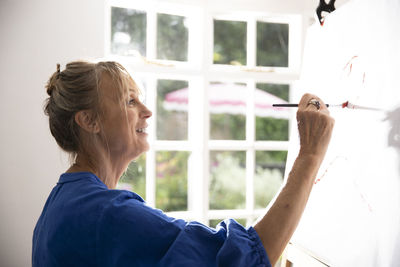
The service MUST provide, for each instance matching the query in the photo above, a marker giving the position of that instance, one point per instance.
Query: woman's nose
(145, 113)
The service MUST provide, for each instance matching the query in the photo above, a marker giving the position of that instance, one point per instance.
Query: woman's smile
(141, 131)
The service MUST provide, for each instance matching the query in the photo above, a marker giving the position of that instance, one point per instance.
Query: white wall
(311, 5)
(275, 6)
(35, 35)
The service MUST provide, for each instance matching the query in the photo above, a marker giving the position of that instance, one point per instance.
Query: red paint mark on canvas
(363, 198)
(366, 202)
(350, 64)
(327, 169)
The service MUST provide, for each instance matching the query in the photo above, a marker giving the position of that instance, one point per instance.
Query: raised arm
(276, 227)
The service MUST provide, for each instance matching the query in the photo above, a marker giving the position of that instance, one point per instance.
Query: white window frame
(199, 71)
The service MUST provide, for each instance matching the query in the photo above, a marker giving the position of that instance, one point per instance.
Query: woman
(96, 116)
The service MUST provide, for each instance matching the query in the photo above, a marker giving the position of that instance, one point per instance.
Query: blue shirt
(84, 223)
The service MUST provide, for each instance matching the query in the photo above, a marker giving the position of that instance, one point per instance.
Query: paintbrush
(346, 104)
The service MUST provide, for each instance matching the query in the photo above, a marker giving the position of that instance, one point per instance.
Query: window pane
(128, 31)
(272, 44)
(272, 129)
(230, 42)
(269, 172)
(172, 116)
(227, 180)
(279, 90)
(172, 37)
(227, 111)
(271, 124)
(134, 179)
(171, 181)
(214, 223)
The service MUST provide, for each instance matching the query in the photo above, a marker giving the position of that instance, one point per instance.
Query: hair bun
(52, 81)
(49, 89)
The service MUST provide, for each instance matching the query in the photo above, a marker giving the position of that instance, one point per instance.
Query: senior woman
(96, 116)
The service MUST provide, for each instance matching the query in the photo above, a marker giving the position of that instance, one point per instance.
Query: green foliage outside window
(171, 180)
(172, 37)
(227, 185)
(131, 24)
(214, 223)
(272, 128)
(227, 180)
(279, 90)
(230, 42)
(272, 44)
(228, 174)
(269, 173)
(227, 127)
(134, 178)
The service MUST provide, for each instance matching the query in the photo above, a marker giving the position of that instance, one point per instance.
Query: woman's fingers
(315, 125)
(313, 103)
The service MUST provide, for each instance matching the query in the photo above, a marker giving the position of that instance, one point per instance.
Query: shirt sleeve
(130, 233)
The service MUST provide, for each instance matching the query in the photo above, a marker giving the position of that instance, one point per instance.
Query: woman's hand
(315, 127)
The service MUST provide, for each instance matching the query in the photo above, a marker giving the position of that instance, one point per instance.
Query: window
(230, 42)
(218, 150)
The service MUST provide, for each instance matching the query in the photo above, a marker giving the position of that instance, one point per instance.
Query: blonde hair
(74, 89)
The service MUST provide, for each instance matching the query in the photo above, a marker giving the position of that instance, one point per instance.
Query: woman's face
(123, 124)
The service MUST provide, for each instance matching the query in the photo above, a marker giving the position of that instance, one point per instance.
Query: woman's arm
(277, 226)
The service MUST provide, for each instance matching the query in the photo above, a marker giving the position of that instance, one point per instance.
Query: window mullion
(207, 60)
(250, 154)
(198, 126)
(195, 38)
(296, 36)
(151, 95)
(198, 167)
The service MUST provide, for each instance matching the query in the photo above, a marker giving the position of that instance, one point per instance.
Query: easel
(300, 257)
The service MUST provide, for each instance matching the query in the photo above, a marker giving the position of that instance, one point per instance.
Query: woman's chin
(146, 147)
(137, 154)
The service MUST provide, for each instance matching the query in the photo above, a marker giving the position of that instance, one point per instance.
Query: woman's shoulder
(87, 183)
(129, 207)
(123, 197)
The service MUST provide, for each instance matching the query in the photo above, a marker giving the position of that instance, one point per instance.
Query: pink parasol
(231, 99)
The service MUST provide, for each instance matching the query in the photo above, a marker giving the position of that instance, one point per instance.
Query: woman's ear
(87, 121)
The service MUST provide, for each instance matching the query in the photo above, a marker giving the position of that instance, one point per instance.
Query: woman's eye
(131, 101)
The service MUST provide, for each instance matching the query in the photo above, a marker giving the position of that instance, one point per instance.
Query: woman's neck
(108, 172)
